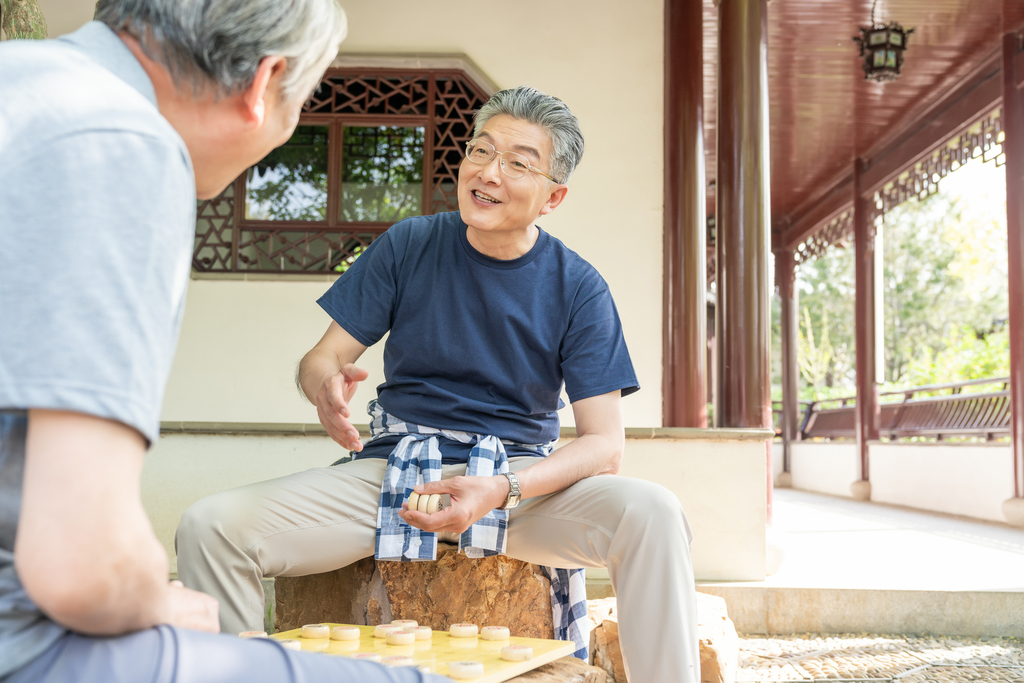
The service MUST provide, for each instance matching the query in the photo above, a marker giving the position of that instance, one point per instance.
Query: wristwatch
(514, 495)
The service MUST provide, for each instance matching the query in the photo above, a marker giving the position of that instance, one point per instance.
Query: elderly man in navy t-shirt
(487, 316)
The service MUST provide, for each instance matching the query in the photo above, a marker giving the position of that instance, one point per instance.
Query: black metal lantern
(881, 48)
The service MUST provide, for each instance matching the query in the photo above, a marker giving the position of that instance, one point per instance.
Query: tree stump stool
(496, 591)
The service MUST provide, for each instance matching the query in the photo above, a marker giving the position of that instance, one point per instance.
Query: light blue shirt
(97, 221)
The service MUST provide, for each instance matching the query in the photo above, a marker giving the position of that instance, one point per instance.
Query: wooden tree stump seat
(497, 591)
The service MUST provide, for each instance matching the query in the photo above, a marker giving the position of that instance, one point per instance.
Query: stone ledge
(316, 429)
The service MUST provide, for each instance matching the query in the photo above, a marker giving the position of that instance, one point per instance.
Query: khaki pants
(323, 519)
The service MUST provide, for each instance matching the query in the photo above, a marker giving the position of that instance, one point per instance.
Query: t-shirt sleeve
(595, 359)
(362, 300)
(94, 267)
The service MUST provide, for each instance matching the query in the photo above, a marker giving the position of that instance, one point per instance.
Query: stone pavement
(880, 658)
(850, 566)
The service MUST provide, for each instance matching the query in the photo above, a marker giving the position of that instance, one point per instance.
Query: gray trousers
(323, 519)
(172, 655)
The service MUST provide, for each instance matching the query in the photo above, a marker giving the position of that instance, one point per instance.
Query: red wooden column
(785, 279)
(1013, 147)
(742, 209)
(685, 271)
(867, 388)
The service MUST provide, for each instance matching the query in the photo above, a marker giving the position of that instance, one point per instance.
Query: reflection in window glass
(382, 174)
(290, 183)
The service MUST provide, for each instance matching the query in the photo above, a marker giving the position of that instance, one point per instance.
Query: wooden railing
(936, 410)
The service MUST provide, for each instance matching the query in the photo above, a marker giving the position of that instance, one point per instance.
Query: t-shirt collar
(104, 47)
(518, 262)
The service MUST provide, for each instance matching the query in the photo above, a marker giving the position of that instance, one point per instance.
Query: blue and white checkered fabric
(417, 460)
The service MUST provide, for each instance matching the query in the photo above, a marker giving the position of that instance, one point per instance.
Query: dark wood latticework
(982, 140)
(839, 229)
(443, 102)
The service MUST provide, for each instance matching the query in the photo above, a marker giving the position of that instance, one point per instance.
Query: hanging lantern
(881, 48)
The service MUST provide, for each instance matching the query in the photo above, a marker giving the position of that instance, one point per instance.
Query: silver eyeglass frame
(501, 160)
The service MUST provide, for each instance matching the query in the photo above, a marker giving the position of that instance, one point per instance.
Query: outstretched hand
(332, 405)
(472, 498)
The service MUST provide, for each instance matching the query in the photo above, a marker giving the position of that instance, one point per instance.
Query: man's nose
(491, 171)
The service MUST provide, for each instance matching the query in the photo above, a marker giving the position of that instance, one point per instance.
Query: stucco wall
(958, 479)
(824, 467)
(721, 485)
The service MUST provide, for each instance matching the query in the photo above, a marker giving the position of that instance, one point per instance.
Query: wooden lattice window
(371, 148)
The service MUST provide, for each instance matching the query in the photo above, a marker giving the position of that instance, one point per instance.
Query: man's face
(489, 200)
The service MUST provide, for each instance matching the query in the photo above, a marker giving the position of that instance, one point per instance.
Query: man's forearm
(586, 456)
(313, 368)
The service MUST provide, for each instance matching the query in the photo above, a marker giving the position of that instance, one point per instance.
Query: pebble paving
(880, 659)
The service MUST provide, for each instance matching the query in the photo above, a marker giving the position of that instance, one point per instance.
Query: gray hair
(221, 43)
(550, 113)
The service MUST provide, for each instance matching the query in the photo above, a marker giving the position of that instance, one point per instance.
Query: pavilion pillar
(867, 388)
(743, 297)
(785, 279)
(742, 318)
(1013, 147)
(685, 257)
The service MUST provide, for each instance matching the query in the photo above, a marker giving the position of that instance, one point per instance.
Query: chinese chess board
(441, 649)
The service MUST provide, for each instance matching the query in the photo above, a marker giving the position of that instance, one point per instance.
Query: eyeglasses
(513, 165)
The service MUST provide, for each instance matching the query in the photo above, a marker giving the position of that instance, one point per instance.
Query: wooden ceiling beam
(964, 106)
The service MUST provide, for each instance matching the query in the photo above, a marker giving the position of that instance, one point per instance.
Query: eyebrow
(516, 148)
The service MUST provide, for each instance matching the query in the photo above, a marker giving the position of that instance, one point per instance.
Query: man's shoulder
(573, 266)
(418, 233)
(51, 90)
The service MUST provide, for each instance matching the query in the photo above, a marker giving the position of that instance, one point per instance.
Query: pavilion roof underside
(823, 114)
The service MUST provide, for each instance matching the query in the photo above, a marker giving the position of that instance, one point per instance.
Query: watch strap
(514, 493)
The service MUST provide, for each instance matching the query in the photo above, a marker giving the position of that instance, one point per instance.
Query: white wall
(777, 452)
(958, 479)
(824, 467)
(721, 485)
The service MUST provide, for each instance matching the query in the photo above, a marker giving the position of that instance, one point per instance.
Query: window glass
(382, 173)
(290, 183)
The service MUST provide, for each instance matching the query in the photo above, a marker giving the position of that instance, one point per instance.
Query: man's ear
(254, 98)
(556, 197)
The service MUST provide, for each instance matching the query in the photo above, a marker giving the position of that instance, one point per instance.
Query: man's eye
(520, 166)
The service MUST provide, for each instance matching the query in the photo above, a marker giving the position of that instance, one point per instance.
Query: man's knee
(652, 506)
(214, 517)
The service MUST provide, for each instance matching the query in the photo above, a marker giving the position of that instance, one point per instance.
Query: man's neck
(504, 245)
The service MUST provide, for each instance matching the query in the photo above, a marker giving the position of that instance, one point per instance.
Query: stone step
(785, 610)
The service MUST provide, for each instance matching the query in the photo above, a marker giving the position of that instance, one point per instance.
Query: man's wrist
(514, 493)
(504, 487)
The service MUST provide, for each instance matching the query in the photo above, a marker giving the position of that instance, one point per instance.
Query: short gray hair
(221, 43)
(550, 113)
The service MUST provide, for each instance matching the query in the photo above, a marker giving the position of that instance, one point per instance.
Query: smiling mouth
(484, 198)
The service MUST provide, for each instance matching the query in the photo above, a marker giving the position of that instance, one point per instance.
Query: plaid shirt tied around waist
(417, 460)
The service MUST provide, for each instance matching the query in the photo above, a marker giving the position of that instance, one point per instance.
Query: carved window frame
(440, 94)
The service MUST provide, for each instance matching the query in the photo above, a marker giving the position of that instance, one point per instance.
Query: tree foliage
(944, 292)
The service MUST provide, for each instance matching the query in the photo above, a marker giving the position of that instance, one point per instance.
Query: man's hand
(329, 377)
(186, 608)
(472, 498)
(332, 407)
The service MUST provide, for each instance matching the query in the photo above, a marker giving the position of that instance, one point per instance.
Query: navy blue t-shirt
(479, 344)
